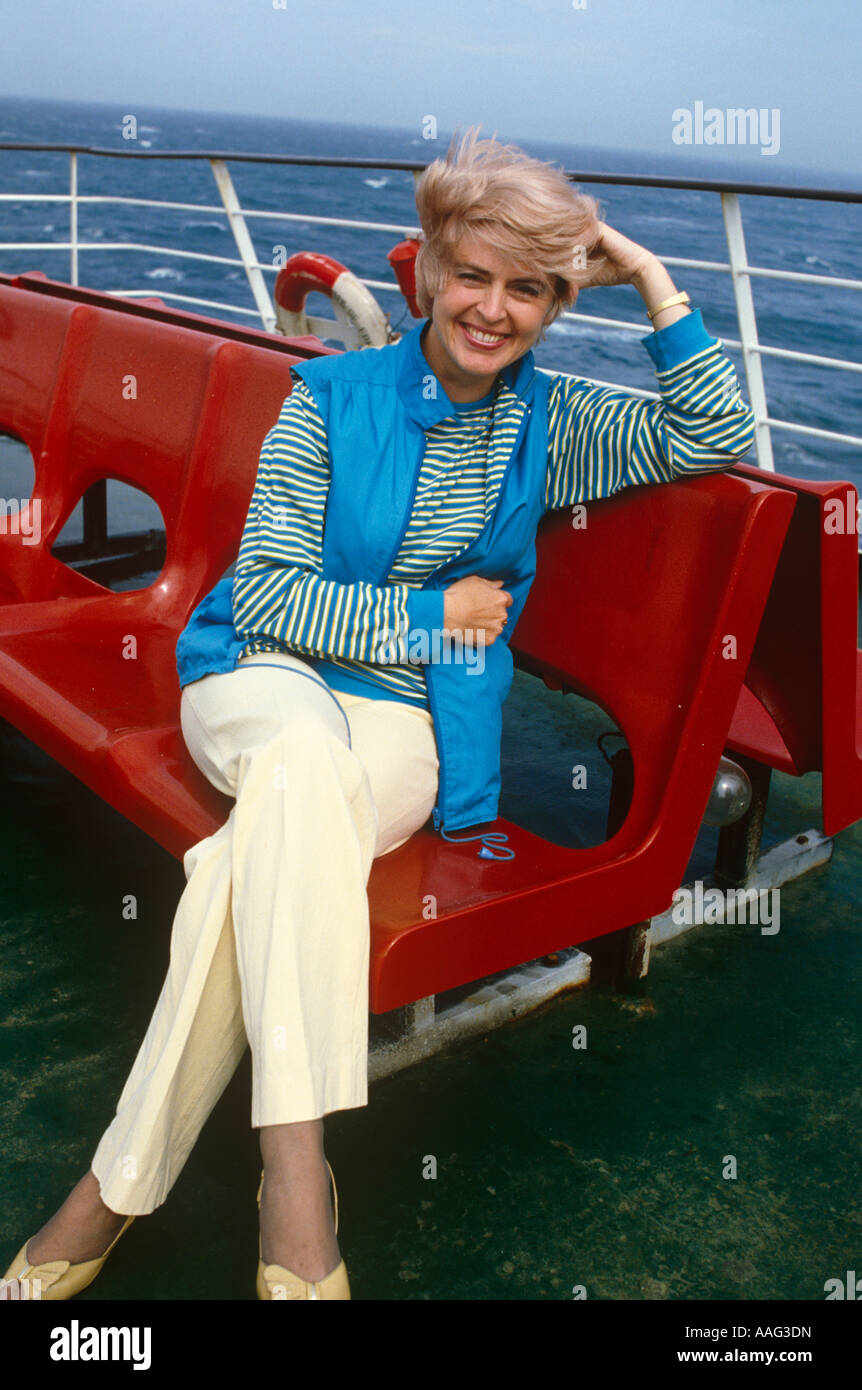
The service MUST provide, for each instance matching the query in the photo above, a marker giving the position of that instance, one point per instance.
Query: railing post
(619, 959)
(244, 243)
(73, 217)
(96, 497)
(747, 328)
(96, 519)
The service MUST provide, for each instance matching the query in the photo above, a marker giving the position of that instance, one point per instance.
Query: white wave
(795, 456)
(164, 272)
(48, 227)
(376, 183)
(656, 218)
(218, 225)
(817, 260)
(153, 129)
(36, 173)
(146, 144)
(567, 329)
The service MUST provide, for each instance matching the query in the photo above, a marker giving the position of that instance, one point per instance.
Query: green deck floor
(556, 1167)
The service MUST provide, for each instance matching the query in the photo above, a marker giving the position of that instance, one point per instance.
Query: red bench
(189, 438)
(632, 612)
(800, 709)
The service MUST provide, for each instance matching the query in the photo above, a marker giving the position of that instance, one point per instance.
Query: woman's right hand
(477, 606)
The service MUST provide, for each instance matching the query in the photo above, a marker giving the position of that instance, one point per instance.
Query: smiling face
(489, 313)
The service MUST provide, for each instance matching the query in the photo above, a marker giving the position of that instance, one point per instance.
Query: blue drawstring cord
(489, 838)
(245, 664)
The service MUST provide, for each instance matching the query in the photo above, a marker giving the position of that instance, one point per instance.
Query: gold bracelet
(668, 304)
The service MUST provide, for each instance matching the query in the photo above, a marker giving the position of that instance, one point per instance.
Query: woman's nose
(493, 302)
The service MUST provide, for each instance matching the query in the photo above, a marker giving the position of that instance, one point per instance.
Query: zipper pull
(435, 815)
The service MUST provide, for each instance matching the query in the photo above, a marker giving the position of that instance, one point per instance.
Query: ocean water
(784, 234)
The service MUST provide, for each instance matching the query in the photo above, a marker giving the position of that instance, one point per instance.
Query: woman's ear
(556, 307)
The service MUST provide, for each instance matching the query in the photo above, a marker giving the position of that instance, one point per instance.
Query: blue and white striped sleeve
(602, 440)
(279, 591)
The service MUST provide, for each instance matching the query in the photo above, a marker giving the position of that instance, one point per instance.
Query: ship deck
(556, 1167)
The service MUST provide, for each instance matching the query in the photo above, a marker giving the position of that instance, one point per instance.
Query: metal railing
(737, 265)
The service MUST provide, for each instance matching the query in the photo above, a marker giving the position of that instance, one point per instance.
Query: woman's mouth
(478, 338)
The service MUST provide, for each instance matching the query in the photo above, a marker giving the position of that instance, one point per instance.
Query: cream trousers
(270, 943)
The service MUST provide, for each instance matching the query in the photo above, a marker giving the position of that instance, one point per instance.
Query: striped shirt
(599, 441)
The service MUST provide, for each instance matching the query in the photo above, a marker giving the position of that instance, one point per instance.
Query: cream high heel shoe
(58, 1279)
(274, 1281)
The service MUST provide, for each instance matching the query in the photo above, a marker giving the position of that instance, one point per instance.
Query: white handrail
(237, 218)
(181, 299)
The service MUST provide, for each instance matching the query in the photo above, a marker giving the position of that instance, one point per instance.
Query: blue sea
(784, 234)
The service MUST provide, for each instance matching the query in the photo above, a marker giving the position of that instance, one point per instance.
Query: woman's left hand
(625, 262)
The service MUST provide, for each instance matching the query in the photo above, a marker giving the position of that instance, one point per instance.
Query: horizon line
(694, 160)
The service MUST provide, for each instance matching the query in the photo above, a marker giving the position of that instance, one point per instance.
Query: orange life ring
(360, 320)
(402, 258)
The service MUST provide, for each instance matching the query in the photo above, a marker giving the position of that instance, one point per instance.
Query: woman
(311, 693)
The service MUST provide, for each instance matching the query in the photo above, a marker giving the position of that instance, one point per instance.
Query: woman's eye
(530, 290)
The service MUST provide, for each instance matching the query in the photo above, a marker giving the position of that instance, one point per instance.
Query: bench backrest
(632, 612)
(97, 393)
(805, 668)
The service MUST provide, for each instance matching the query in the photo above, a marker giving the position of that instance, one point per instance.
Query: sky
(614, 73)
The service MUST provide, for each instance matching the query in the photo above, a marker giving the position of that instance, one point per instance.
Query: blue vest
(376, 405)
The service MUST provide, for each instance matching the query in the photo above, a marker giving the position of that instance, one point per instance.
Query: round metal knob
(730, 797)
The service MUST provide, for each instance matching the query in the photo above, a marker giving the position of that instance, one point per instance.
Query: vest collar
(428, 408)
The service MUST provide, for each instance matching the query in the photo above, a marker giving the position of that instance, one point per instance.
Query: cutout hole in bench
(17, 474)
(117, 539)
(555, 781)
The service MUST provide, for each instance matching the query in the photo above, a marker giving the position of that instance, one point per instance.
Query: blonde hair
(525, 209)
